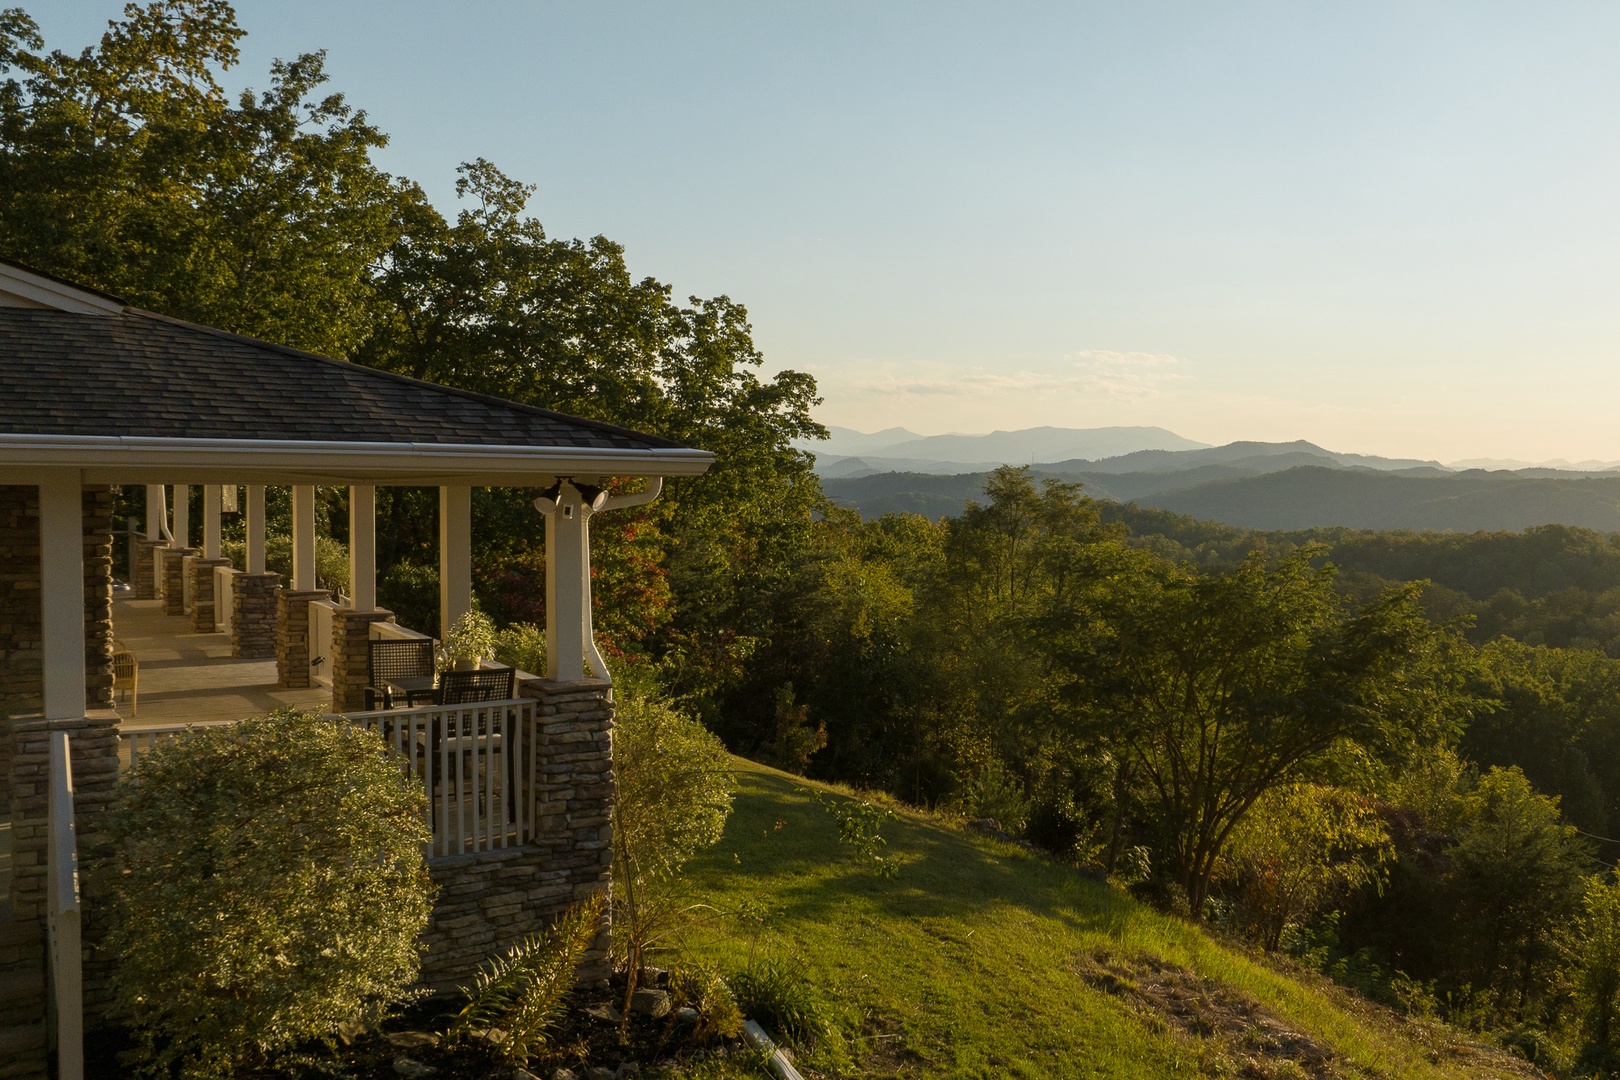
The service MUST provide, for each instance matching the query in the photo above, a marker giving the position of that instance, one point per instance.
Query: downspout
(655, 484)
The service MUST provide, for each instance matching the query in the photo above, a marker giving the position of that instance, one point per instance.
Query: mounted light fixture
(591, 495)
(546, 503)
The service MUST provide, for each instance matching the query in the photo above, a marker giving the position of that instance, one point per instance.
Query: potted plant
(470, 640)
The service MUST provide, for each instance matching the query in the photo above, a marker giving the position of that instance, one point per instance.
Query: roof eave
(118, 459)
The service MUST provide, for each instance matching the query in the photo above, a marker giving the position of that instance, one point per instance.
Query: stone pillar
(351, 657)
(253, 615)
(98, 626)
(202, 594)
(174, 579)
(292, 636)
(146, 582)
(489, 900)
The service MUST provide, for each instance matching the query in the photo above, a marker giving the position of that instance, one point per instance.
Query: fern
(520, 994)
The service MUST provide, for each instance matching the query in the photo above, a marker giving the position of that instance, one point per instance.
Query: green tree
(1516, 878)
(1593, 953)
(1221, 686)
(129, 167)
(1301, 846)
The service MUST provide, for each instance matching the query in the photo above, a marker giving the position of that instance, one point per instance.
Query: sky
(1387, 228)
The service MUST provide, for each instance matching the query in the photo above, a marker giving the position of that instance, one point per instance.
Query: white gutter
(114, 459)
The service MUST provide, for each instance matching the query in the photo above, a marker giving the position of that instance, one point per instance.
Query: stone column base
(174, 579)
(351, 657)
(292, 637)
(202, 595)
(253, 615)
(146, 583)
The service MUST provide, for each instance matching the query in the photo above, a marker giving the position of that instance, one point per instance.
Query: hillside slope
(981, 960)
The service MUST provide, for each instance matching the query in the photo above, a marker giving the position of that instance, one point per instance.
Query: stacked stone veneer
(25, 750)
(202, 594)
(351, 657)
(488, 901)
(174, 579)
(253, 615)
(146, 582)
(292, 637)
(21, 683)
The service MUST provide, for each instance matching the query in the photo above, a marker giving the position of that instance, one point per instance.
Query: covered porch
(101, 395)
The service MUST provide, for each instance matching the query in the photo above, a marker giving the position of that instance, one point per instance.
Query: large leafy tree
(1219, 687)
(129, 167)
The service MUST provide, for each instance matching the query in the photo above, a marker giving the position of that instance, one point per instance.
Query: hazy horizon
(1385, 228)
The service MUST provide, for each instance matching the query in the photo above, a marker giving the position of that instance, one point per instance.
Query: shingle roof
(139, 374)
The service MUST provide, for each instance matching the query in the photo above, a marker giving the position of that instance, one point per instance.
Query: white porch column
(567, 586)
(182, 516)
(303, 537)
(157, 511)
(254, 528)
(61, 581)
(213, 505)
(455, 556)
(363, 547)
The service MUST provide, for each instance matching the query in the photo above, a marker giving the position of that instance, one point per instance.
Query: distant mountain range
(1253, 484)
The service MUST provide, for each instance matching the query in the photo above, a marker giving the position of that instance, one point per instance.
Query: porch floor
(190, 678)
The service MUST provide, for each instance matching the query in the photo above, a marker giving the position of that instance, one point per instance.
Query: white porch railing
(188, 575)
(224, 597)
(475, 762)
(62, 915)
(387, 631)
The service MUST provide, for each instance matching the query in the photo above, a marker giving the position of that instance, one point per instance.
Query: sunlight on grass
(967, 963)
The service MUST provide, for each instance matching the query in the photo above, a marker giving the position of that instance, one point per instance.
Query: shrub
(996, 794)
(523, 645)
(675, 787)
(779, 998)
(266, 887)
(521, 993)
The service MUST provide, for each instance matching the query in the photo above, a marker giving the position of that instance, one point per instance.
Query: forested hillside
(1292, 491)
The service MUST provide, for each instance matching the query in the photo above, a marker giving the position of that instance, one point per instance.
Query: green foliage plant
(700, 986)
(860, 825)
(1302, 846)
(266, 886)
(471, 638)
(996, 794)
(780, 998)
(522, 645)
(674, 794)
(521, 993)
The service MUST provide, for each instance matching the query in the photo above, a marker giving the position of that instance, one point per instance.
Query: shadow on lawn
(779, 840)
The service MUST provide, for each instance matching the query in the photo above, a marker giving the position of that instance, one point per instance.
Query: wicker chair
(126, 676)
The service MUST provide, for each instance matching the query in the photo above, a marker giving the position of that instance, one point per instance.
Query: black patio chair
(400, 667)
(468, 687)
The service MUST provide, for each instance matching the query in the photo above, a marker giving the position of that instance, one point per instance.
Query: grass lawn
(980, 960)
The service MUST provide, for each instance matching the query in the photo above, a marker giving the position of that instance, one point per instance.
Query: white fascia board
(55, 294)
(135, 460)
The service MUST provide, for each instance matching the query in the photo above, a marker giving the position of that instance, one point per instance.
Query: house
(93, 394)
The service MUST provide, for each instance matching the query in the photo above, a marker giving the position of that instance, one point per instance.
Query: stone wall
(490, 900)
(202, 594)
(174, 579)
(253, 615)
(351, 657)
(292, 637)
